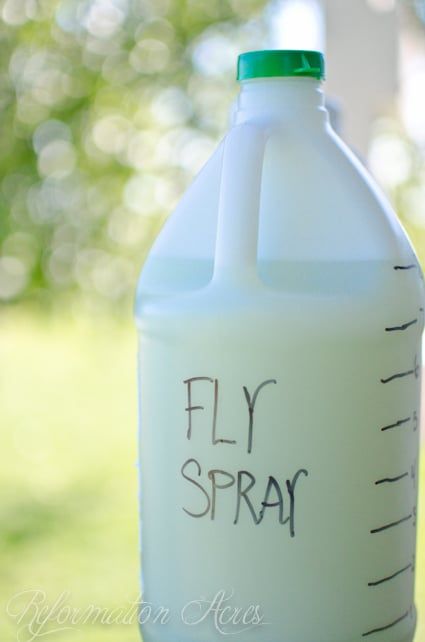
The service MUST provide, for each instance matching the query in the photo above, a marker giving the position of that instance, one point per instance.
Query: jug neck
(294, 99)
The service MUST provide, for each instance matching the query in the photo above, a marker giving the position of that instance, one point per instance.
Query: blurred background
(108, 109)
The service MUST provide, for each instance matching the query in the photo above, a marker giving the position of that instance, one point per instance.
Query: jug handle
(235, 260)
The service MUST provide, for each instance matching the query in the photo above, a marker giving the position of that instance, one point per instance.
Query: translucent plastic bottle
(280, 313)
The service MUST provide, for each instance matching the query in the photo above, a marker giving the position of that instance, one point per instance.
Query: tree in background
(108, 108)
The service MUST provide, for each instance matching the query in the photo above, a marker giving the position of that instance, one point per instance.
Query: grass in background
(68, 477)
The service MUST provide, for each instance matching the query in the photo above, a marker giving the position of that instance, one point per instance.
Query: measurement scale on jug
(405, 430)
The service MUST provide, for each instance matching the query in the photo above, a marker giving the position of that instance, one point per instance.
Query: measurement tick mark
(413, 371)
(392, 524)
(399, 375)
(390, 577)
(401, 327)
(411, 266)
(398, 423)
(391, 479)
(387, 626)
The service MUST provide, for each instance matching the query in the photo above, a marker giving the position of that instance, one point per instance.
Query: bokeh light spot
(57, 159)
(13, 277)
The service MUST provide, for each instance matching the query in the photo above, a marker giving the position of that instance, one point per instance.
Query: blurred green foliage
(68, 475)
(108, 108)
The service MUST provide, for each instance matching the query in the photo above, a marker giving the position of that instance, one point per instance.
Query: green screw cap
(281, 62)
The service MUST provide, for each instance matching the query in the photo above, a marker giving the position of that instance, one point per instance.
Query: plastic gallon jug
(280, 314)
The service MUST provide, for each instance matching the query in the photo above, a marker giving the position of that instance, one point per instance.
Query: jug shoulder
(317, 204)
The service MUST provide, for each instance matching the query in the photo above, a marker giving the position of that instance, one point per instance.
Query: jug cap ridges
(281, 62)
